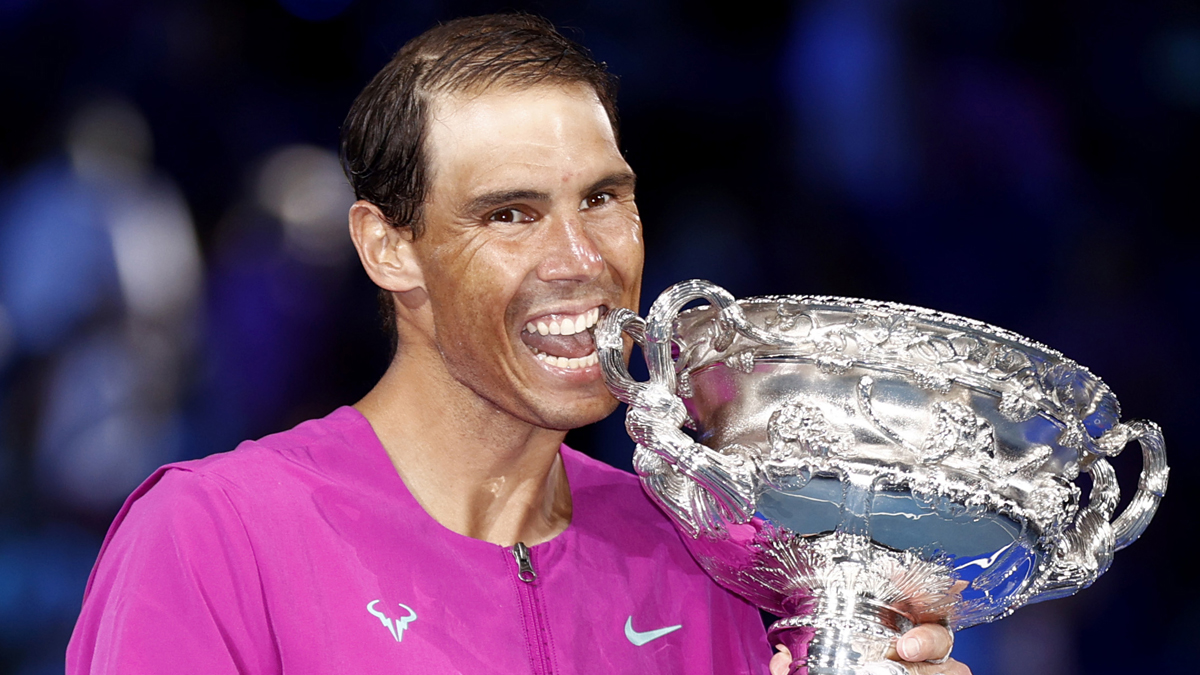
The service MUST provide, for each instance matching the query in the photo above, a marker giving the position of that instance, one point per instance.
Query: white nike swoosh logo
(639, 639)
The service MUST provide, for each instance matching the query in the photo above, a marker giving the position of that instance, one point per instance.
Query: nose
(570, 253)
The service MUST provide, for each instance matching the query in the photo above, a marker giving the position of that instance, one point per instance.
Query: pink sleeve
(175, 589)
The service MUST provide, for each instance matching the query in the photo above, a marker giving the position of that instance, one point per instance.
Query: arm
(175, 589)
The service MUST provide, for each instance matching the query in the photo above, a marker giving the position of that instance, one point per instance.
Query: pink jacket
(304, 552)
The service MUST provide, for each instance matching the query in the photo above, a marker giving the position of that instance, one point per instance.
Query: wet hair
(383, 138)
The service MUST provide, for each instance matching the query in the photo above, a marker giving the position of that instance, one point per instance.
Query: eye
(592, 201)
(510, 214)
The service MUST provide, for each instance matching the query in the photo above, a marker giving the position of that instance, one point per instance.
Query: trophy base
(842, 633)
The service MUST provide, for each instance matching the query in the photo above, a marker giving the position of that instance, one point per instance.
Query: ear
(386, 251)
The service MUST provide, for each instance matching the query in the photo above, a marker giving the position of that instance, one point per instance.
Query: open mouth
(564, 340)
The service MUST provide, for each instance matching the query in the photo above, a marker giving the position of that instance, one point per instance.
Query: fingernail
(908, 648)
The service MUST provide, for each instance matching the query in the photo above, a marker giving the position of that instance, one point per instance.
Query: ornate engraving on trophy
(799, 428)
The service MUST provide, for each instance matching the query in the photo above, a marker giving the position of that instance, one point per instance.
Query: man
(439, 525)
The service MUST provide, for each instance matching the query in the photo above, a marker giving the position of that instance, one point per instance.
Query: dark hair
(383, 138)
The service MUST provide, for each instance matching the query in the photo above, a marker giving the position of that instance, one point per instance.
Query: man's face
(531, 234)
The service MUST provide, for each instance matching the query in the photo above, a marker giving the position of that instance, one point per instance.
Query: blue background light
(1028, 164)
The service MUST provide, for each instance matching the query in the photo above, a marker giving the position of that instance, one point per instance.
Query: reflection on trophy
(857, 467)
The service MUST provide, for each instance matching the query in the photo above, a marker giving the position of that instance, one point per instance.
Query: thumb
(781, 661)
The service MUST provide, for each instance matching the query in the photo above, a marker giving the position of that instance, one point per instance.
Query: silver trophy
(858, 467)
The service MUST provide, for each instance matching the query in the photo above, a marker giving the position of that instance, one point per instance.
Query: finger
(950, 667)
(781, 661)
(927, 642)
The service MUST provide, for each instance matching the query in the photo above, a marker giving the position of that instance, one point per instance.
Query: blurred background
(175, 275)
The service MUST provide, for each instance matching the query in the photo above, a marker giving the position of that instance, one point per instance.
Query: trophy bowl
(858, 467)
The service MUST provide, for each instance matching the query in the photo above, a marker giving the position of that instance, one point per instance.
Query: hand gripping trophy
(857, 467)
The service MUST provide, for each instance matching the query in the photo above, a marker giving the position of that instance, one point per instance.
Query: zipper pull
(525, 573)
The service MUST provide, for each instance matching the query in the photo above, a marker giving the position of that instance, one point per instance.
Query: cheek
(620, 243)
(482, 292)
(482, 271)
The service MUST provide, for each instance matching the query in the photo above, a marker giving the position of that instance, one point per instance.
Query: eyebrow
(490, 200)
(625, 179)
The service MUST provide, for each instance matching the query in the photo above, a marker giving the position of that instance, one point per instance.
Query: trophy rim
(932, 316)
(1102, 400)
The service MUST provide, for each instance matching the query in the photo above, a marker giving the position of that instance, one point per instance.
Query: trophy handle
(654, 335)
(656, 414)
(660, 324)
(1094, 535)
(611, 345)
(1152, 484)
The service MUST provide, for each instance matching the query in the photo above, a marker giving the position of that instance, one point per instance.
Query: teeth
(566, 363)
(566, 326)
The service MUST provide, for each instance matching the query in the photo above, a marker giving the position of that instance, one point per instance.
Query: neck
(473, 467)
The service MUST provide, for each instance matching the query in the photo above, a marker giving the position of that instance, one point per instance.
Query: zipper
(524, 563)
(537, 628)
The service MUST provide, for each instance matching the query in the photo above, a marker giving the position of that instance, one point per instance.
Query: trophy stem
(844, 631)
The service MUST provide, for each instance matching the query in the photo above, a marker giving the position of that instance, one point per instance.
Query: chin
(565, 418)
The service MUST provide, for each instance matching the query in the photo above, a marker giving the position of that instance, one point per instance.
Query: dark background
(174, 274)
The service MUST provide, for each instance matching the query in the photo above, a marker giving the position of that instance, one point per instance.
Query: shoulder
(262, 466)
(269, 473)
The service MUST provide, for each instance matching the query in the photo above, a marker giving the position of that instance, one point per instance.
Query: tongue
(568, 346)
